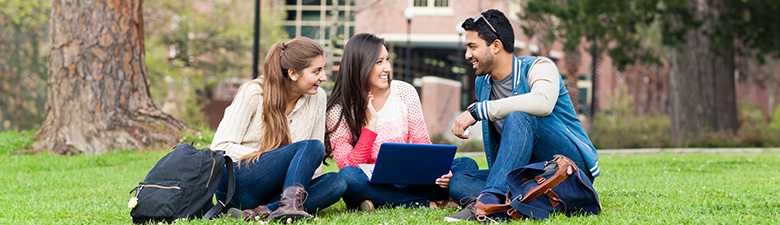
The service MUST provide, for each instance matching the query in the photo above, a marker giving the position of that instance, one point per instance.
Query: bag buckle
(485, 218)
(555, 159)
(539, 180)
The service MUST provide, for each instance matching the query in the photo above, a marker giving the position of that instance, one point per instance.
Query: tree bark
(702, 84)
(572, 61)
(594, 63)
(98, 96)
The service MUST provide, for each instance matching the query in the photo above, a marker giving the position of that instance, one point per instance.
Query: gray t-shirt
(500, 89)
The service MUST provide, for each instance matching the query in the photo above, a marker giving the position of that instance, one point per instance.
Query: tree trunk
(98, 96)
(572, 61)
(594, 63)
(702, 82)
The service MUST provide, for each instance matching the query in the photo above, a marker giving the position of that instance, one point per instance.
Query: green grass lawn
(634, 189)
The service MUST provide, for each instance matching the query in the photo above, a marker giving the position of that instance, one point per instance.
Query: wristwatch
(472, 111)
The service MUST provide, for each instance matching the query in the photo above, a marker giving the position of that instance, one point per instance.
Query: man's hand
(463, 121)
(444, 180)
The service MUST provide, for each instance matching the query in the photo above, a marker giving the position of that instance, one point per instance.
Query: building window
(311, 2)
(313, 19)
(431, 7)
(431, 3)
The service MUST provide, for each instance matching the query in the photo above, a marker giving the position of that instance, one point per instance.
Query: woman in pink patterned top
(377, 110)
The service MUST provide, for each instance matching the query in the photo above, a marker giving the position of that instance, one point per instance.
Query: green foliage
(624, 24)
(754, 131)
(190, 47)
(201, 139)
(625, 130)
(775, 124)
(24, 33)
(25, 12)
(755, 127)
(753, 23)
(602, 23)
(634, 189)
(621, 127)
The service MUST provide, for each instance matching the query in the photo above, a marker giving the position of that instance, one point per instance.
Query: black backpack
(182, 185)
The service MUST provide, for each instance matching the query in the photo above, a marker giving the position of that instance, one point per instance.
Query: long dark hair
(294, 55)
(350, 90)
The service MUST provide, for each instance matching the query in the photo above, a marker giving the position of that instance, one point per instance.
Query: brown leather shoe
(291, 204)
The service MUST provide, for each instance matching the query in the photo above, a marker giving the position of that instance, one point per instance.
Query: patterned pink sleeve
(418, 131)
(343, 152)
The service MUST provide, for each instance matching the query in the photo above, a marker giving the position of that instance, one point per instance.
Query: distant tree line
(699, 39)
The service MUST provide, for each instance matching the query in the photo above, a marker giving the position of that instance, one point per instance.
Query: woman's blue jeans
(359, 188)
(523, 141)
(261, 182)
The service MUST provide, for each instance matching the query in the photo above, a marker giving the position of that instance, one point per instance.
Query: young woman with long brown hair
(367, 108)
(273, 130)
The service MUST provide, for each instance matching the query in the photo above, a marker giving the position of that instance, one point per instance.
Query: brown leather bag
(576, 196)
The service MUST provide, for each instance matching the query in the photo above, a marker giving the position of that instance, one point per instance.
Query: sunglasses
(476, 18)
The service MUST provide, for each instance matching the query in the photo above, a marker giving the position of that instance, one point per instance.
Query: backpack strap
(230, 192)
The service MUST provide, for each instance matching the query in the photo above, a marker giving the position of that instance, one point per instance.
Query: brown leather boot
(291, 204)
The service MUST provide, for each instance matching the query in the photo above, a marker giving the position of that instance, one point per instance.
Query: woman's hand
(444, 180)
(370, 113)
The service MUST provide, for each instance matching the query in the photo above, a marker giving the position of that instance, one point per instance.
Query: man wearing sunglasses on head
(526, 113)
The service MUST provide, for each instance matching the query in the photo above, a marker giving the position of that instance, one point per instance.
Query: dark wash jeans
(523, 142)
(359, 188)
(261, 182)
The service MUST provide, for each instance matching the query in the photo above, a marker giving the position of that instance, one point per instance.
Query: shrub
(620, 127)
(626, 130)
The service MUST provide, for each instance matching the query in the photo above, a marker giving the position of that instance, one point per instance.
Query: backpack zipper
(211, 174)
(158, 186)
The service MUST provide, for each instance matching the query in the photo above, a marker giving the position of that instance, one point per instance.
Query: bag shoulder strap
(231, 190)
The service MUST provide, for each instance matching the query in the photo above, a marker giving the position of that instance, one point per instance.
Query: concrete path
(687, 150)
(663, 150)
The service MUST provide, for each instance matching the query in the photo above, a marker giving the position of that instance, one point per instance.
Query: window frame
(431, 9)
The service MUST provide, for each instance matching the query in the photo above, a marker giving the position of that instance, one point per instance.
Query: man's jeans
(261, 182)
(359, 188)
(523, 142)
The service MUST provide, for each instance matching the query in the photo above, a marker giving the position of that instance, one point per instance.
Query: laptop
(416, 164)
